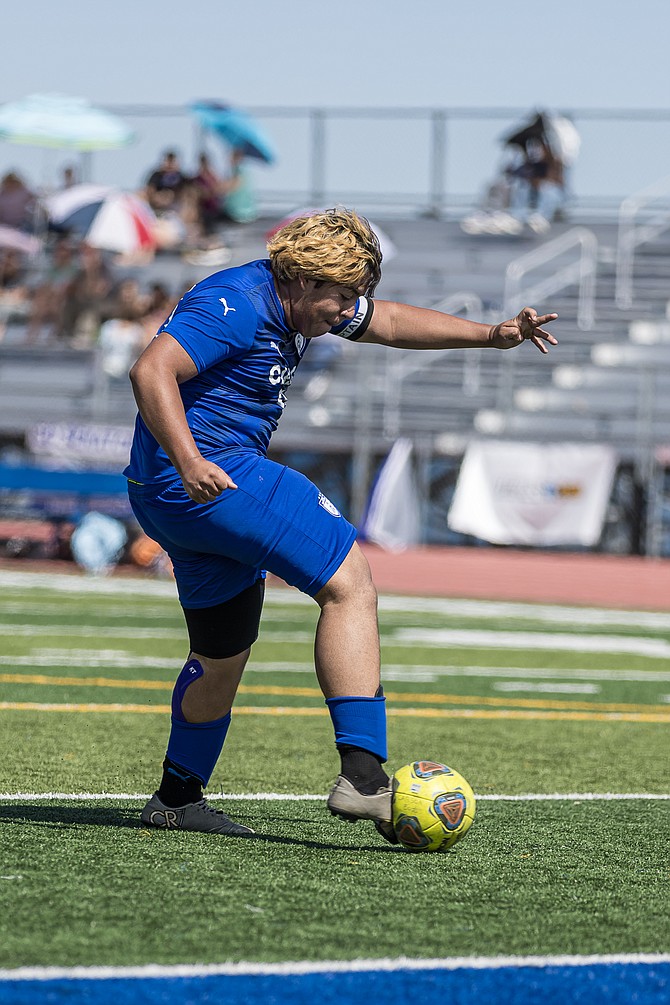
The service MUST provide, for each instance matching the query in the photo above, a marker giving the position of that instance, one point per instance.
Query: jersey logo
(226, 308)
(325, 502)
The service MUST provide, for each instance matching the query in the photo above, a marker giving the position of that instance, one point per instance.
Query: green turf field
(524, 701)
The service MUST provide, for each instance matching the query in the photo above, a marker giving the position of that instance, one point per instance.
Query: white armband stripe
(356, 326)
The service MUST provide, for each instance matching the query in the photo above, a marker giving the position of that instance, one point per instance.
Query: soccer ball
(433, 806)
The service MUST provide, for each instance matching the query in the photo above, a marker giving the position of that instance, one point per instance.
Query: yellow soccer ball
(433, 806)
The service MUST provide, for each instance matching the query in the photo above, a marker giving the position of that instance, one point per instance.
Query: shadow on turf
(59, 816)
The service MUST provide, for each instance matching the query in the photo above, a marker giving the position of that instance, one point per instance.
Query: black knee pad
(228, 628)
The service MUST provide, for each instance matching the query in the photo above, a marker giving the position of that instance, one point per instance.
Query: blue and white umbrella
(55, 120)
(236, 128)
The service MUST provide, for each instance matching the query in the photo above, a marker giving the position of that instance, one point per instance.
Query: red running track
(535, 576)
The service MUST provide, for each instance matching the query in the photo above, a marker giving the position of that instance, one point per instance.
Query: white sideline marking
(15, 797)
(326, 966)
(87, 659)
(403, 637)
(657, 648)
(545, 688)
(88, 585)
(105, 632)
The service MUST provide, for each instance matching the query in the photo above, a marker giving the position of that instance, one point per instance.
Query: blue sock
(197, 746)
(360, 722)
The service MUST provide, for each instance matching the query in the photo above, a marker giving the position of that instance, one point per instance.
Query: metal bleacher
(426, 394)
(606, 381)
(618, 359)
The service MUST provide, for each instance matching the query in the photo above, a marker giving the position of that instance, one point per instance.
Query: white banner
(74, 446)
(394, 515)
(533, 493)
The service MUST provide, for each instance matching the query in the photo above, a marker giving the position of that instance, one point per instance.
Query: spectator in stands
(166, 184)
(537, 187)
(14, 292)
(18, 203)
(173, 196)
(131, 319)
(121, 337)
(127, 301)
(532, 189)
(47, 301)
(209, 189)
(201, 214)
(68, 177)
(159, 305)
(85, 298)
(121, 340)
(238, 202)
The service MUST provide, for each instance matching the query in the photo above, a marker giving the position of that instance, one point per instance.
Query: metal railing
(634, 232)
(430, 159)
(400, 365)
(581, 273)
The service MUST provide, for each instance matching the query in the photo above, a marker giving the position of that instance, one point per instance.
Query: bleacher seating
(435, 397)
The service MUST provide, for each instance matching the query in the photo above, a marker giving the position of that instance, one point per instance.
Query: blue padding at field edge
(592, 984)
(43, 480)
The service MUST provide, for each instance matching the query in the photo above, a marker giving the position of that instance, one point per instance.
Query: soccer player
(210, 389)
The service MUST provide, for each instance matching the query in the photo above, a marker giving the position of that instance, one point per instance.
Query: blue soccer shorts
(276, 520)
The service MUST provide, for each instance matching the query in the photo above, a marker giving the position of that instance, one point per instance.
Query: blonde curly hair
(336, 246)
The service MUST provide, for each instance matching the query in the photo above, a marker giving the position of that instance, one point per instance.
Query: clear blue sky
(520, 53)
(365, 52)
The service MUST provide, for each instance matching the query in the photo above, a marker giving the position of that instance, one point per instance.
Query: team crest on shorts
(325, 502)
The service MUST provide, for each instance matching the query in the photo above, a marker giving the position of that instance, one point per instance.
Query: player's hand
(203, 480)
(526, 325)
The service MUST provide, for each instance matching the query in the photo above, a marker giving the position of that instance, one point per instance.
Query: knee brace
(229, 628)
(190, 672)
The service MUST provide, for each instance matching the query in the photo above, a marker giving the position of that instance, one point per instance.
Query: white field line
(109, 613)
(87, 585)
(510, 686)
(399, 638)
(106, 612)
(281, 797)
(120, 587)
(154, 970)
(86, 660)
(564, 642)
(402, 671)
(105, 632)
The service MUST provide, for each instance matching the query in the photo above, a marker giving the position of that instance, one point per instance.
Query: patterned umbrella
(105, 218)
(55, 120)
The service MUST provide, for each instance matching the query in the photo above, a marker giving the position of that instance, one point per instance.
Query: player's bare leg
(212, 695)
(347, 659)
(346, 647)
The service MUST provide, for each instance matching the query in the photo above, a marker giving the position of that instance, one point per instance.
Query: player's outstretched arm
(406, 327)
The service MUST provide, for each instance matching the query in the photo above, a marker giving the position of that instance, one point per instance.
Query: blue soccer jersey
(233, 327)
